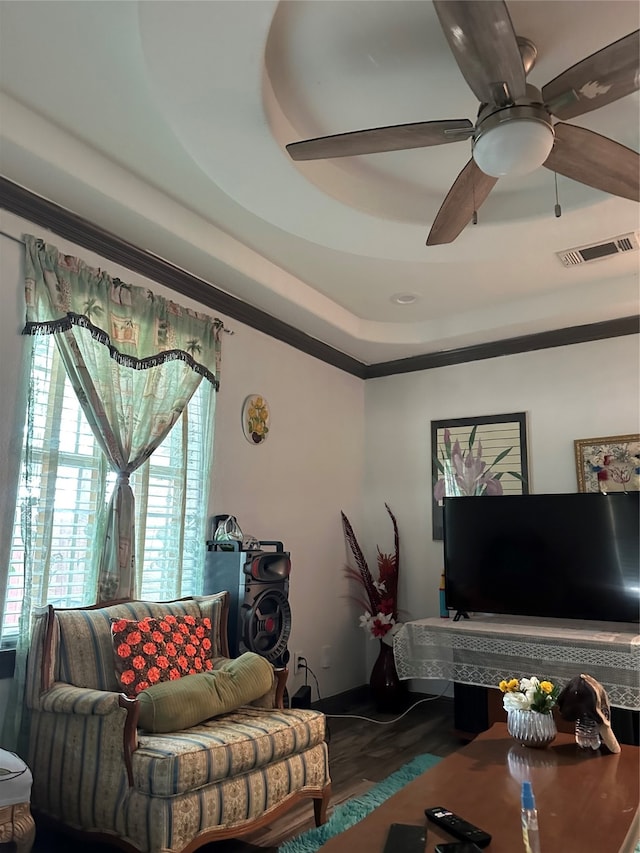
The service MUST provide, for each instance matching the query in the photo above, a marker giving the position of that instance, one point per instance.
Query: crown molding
(509, 346)
(45, 213)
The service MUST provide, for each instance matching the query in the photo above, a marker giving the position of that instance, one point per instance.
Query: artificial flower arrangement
(529, 694)
(380, 599)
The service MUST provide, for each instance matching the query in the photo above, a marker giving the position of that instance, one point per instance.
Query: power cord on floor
(308, 669)
(387, 722)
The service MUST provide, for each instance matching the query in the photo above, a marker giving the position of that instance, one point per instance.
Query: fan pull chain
(474, 218)
(557, 209)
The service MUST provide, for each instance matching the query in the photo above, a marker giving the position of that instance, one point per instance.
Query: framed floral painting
(608, 464)
(477, 456)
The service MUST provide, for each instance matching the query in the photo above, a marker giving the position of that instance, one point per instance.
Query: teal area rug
(346, 814)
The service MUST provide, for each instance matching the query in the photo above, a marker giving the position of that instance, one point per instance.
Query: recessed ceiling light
(404, 298)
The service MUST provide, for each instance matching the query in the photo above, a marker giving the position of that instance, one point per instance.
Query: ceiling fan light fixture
(513, 144)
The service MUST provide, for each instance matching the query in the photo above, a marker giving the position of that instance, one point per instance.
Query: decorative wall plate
(255, 418)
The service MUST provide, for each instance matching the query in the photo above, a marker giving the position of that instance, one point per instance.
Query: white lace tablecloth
(485, 649)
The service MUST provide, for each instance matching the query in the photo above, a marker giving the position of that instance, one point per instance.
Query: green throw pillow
(175, 705)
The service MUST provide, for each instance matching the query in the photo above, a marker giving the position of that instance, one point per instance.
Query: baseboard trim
(341, 703)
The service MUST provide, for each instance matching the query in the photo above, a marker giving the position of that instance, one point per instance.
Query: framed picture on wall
(608, 464)
(477, 456)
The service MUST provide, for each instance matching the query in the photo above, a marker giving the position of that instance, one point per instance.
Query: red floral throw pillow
(152, 650)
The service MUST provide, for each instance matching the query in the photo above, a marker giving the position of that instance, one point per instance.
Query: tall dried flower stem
(383, 595)
(365, 574)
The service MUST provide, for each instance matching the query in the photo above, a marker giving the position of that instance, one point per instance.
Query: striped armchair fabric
(95, 772)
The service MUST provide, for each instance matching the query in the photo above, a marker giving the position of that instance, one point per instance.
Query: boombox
(258, 586)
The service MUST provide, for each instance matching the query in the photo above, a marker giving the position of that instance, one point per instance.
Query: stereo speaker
(258, 586)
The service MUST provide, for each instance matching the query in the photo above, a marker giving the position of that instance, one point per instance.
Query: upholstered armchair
(98, 772)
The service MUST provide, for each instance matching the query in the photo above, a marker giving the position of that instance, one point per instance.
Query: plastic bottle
(587, 733)
(529, 814)
(444, 613)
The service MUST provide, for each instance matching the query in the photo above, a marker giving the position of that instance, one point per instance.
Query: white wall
(294, 485)
(290, 488)
(580, 391)
(339, 443)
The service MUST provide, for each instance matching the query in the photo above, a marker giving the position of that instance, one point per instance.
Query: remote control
(457, 827)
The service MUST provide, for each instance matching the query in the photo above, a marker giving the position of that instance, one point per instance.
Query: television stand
(482, 651)
(460, 614)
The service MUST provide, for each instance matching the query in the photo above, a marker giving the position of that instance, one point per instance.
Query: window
(68, 486)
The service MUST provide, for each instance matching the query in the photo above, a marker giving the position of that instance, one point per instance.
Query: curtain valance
(134, 360)
(140, 328)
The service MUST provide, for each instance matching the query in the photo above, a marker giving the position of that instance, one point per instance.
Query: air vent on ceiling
(598, 251)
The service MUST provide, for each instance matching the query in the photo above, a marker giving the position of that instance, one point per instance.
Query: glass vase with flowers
(529, 703)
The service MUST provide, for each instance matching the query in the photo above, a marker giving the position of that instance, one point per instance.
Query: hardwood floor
(361, 753)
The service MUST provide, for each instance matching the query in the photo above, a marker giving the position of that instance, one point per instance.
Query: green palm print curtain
(134, 360)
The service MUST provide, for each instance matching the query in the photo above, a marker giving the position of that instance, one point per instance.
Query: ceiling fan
(514, 132)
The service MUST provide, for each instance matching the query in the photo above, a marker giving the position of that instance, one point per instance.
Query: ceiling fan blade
(601, 78)
(397, 137)
(596, 161)
(469, 191)
(483, 42)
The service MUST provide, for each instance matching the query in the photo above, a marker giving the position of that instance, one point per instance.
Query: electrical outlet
(299, 662)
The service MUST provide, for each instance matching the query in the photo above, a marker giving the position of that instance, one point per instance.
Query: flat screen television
(573, 556)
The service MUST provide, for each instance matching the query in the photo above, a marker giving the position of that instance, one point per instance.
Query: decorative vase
(530, 728)
(386, 688)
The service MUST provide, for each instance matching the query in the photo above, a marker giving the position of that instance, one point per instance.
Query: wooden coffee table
(587, 801)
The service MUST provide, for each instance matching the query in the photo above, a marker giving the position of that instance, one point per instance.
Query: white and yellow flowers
(529, 694)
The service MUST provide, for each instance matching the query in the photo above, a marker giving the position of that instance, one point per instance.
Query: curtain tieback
(123, 478)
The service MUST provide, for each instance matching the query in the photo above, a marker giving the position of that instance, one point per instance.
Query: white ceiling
(165, 122)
